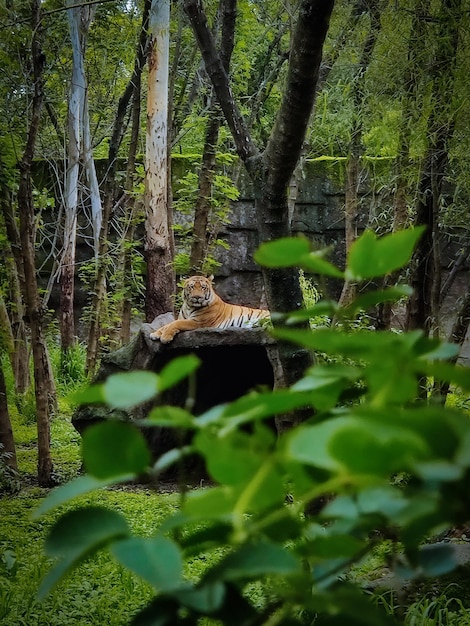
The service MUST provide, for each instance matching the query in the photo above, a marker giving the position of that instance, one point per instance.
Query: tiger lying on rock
(203, 308)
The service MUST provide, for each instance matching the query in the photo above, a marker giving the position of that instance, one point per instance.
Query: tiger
(203, 308)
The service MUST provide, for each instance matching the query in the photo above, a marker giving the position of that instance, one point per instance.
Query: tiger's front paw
(165, 334)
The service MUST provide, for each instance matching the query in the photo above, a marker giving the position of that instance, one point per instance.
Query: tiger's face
(198, 292)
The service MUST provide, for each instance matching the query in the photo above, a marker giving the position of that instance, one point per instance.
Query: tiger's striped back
(242, 316)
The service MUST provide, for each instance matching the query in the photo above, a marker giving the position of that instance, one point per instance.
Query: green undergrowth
(100, 591)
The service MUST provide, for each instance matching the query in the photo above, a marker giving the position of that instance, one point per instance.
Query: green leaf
(332, 547)
(77, 487)
(284, 252)
(437, 559)
(324, 307)
(177, 370)
(255, 560)
(171, 457)
(315, 263)
(113, 448)
(370, 299)
(456, 374)
(370, 256)
(310, 444)
(367, 448)
(78, 534)
(210, 503)
(91, 395)
(157, 560)
(359, 344)
(385, 500)
(438, 471)
(256, 406)
(170, 417)
(205, 599)
(125, 390)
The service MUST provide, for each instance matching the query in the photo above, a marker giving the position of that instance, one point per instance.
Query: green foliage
(223, 192)
(99, 591)
(350, 448)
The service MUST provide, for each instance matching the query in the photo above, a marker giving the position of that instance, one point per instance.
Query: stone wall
(318, 214)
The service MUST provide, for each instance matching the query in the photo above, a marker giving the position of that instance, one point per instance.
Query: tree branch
(214, 67)
(288, 134)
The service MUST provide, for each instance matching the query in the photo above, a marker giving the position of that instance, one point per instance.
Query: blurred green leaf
(437, 559)
(167, 459)
(295, 252)
(170, 417)
(324, 307)
(177, 370)
(205, 599)
(157, 560)
(257, 406)
(77, 487)
(376, 449)
(93, 394)
(331, 547)
(207, 504)
(315, 263)
(112, 448)
(77, 535)
(127, 389)
(286, 252)
(366, 301)
(370, 256)
(255, 560)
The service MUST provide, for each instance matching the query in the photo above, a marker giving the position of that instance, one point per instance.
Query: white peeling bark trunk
(158, 247)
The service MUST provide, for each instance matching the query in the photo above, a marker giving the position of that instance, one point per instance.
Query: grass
(100, 591)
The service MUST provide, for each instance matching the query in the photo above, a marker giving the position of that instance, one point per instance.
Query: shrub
(366, 426)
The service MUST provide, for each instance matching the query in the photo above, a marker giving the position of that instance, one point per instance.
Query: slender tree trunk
(410, 101)
(16, 287)
(353, 164)
(7, 339)
(42, 373)
(6, 432)
(202, 211)
(160, 286)
(422, 309)
(100, 288)
(79, 21)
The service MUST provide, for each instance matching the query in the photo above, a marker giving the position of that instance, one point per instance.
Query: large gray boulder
(233, 362)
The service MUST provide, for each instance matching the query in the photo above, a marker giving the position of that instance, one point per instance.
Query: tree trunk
(160, 286)
(411, 96)
(16, 316)
(42, 374)
(351, 210)
(422, 309)
(271, 170)
(132, 90)
(6, 432)
(79, 19)
(202, 210)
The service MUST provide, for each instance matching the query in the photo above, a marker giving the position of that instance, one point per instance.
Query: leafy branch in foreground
(366, 426)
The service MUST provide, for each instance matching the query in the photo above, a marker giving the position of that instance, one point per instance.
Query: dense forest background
(124, 84)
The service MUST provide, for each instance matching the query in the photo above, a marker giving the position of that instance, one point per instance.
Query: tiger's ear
(211, 278)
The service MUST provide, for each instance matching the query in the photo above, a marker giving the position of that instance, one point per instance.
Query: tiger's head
(198, 292)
